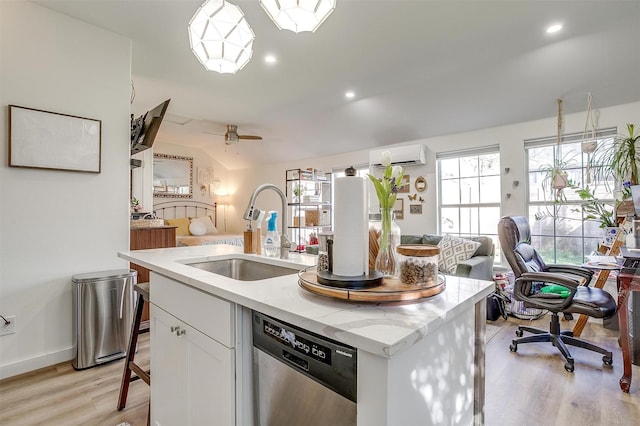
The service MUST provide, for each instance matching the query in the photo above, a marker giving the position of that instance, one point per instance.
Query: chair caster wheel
(519, 333)
(513, 347)
(607, 360)
(569, 367)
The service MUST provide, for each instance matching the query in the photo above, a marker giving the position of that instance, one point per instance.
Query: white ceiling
(418, 68)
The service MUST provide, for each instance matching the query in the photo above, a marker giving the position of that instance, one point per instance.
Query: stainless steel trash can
(103, 312)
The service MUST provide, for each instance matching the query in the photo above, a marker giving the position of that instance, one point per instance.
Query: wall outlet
(8, 328)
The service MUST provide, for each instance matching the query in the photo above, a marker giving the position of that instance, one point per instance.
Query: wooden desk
(628, 280)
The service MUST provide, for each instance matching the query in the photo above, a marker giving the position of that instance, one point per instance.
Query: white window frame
(493, 149)
(589, 239)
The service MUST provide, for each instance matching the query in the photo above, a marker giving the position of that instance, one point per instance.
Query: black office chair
(532, 274)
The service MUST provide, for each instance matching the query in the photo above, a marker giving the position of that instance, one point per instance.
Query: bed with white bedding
(195, 222)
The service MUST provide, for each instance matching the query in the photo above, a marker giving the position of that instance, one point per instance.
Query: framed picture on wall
(398, 208)
(50, 140)
(405, 188)
(415, 208)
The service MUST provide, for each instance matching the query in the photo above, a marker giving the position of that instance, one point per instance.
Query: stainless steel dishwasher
(301, 377)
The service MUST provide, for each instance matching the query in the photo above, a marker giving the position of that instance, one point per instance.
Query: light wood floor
(61, 396)
(529, 387)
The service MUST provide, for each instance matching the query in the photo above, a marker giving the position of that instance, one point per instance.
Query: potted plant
(619, 159)
(594, 209)
(297, 193)
(556, 179)
(135, 205)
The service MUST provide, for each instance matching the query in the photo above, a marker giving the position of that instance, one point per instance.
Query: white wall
(510, 139)
(54, 224)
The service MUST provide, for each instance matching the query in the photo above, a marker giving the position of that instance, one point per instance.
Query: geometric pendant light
(298, 15)
(220, 37)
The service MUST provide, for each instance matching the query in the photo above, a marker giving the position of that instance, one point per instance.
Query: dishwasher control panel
(327, 361)
(298, 343)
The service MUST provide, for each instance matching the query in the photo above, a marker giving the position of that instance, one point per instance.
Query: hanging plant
(557, 173)
(556, 179)
(559, 179)
(590, 143)
(589, 146)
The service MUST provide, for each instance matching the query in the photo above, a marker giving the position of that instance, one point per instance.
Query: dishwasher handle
(295, 361)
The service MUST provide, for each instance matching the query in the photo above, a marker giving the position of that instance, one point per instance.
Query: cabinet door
(168, 378)
(210, 380)
(192, 375)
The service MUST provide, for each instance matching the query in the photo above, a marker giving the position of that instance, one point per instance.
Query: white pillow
(206, 220)
(197, 227)
(454, 250)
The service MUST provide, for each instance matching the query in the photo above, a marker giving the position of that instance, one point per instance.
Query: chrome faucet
(285, 244)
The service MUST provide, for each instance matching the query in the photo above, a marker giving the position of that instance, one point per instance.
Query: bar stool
(142, 289)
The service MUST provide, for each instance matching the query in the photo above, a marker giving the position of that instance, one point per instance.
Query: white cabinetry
(192, 373)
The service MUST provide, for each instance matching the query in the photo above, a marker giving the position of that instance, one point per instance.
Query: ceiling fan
(232, 136)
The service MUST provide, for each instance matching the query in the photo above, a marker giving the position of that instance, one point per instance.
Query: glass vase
(386, 261)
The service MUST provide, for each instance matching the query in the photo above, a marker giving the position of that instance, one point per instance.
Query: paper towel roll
(351, 227)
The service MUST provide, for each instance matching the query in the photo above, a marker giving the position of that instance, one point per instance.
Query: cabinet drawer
(209, 314)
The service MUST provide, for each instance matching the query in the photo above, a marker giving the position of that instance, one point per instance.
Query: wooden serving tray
(391, 290)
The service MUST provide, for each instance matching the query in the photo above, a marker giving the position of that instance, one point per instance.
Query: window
(558, 230)
(469, 193)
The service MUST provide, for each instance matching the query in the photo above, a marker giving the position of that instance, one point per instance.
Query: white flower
(396, 171)
(386, 158)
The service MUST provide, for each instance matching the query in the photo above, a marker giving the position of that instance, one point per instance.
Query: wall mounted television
(145, 128)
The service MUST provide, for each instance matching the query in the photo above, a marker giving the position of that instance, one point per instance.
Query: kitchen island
(417, 363)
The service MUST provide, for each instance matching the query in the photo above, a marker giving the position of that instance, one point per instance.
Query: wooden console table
(148, 238)
(628, 280)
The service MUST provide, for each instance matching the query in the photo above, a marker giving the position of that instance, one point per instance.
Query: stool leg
(133, 341)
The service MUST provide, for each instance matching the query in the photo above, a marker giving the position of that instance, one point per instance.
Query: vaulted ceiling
(418, 69)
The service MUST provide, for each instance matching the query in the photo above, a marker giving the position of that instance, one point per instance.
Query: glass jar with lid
(323, 250)
(418, 264)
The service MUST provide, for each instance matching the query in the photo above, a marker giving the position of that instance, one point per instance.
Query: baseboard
(26, 365)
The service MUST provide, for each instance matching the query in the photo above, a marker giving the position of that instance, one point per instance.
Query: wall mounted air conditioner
(407, 155)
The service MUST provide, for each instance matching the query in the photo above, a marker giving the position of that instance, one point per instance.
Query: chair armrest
(584, 273)
(525, 281)
(478, 267)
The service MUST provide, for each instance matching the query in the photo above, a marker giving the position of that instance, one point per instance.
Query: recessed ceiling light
(350, 94)
(554, 28)
(270, 59)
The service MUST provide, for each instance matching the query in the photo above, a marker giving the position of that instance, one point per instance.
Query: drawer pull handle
(180, 332)
(175, 328)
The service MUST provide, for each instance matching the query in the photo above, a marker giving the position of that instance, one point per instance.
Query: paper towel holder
(328, 278)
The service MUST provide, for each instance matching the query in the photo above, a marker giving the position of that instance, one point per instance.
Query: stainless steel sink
(243, 269)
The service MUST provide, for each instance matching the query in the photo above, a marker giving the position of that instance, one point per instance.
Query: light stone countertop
(381, 329)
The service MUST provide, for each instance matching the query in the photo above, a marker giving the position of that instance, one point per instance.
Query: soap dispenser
(272, 239)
